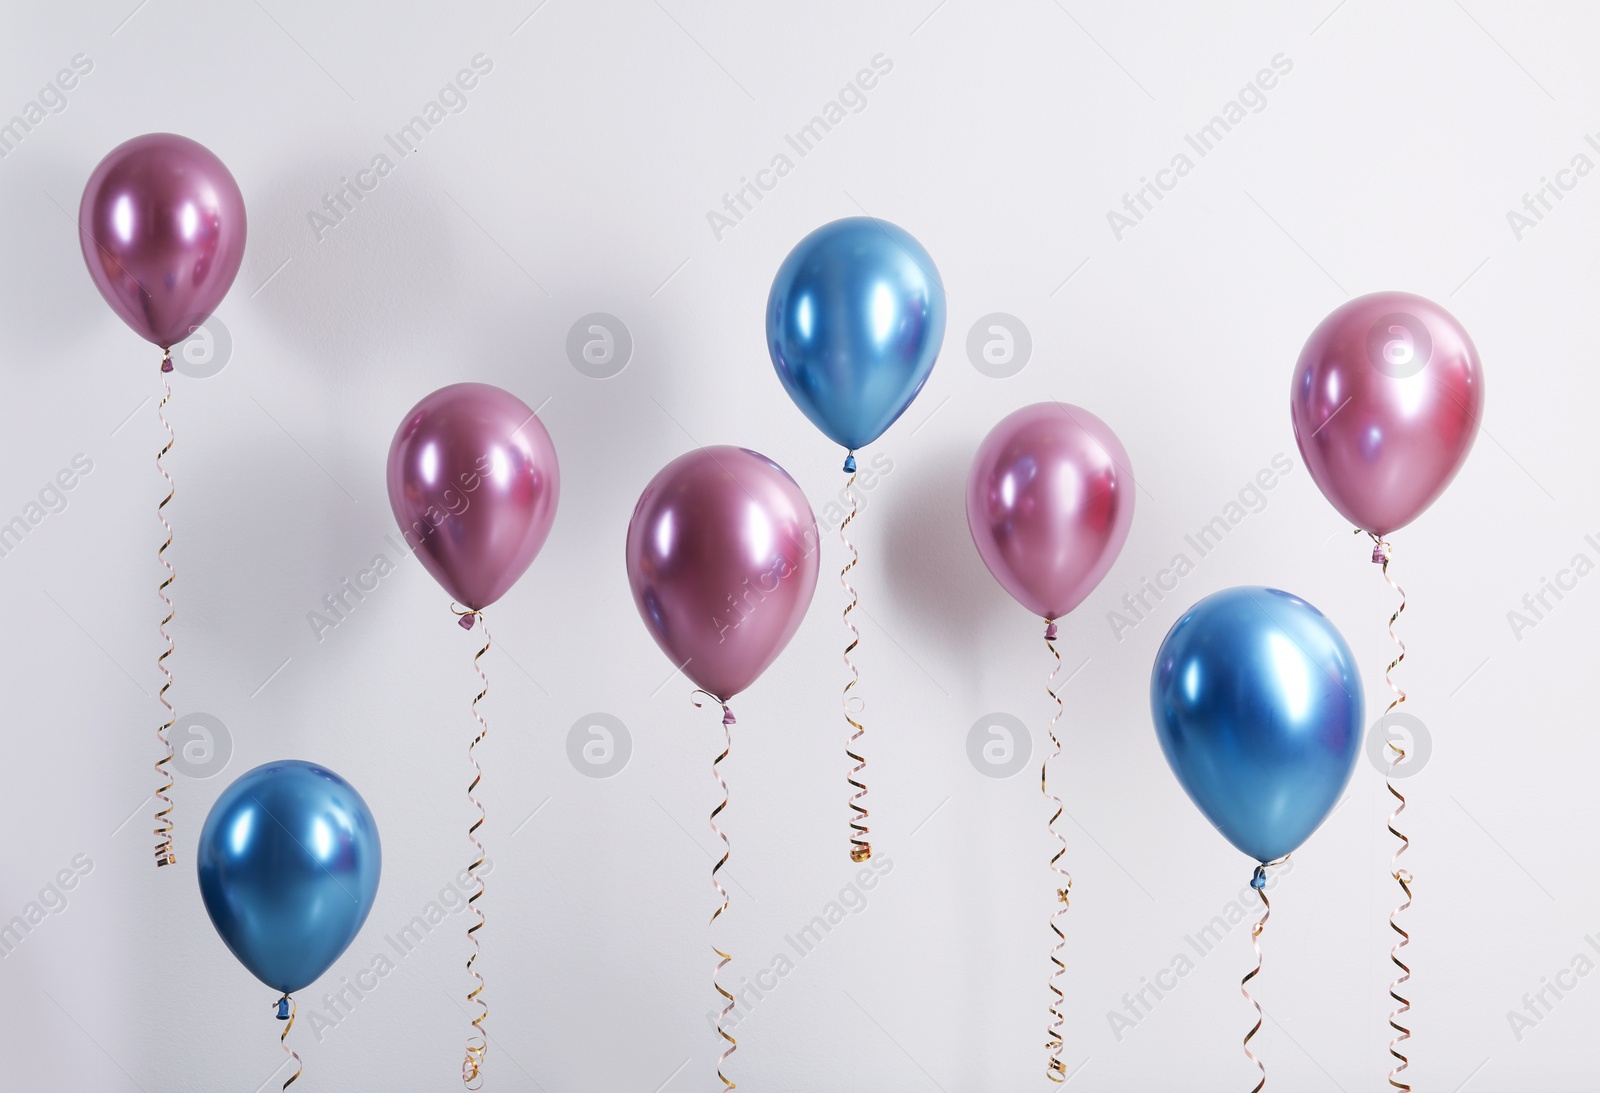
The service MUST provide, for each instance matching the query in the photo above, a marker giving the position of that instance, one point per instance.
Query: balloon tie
(860, 847)
(1055, 1069)
(722, 893)
(286, 1011)
(1259, 883)
(1381, 553)
(163, 829)
(477, 1041)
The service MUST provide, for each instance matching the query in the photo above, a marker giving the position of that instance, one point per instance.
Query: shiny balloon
(162, 228)
(722, 558)
(854, 322)
(473, 483)
(1049, 504)
(289, 861)
(1257, 703)
(1385, 401)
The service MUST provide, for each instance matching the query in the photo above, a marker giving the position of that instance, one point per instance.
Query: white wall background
(577, 180)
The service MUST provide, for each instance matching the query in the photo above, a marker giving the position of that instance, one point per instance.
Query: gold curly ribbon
(1259, 883)
(163, 829)
(860, 847)
(477, 1041)
(1055, 1069)
(286, 1012)
(1381, 553)
(728, 721)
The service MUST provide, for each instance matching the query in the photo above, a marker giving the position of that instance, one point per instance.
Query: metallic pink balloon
(473, 483)
(1049, 503)
(162, 228)
(722, 559)
(1385, 402)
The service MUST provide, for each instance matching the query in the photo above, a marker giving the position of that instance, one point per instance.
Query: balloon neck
(850, 463)
(1049, 630)
(166, 360)
(1380, 553)
(283, 1008)
(468, 619)
(727, 716)
(1259, 881)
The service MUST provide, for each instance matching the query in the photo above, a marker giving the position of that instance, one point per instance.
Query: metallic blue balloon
(289, 861)
(854, 323)
(1257, 704)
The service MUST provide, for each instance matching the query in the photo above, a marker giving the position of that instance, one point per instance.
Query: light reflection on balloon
(1385, 403)
(855, 319)
(1258, 708)
(288, 866)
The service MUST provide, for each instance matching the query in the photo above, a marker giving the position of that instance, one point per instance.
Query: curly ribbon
(1055, 1069)
(477, 1042)
(1259, 883)
(860, 848)
(286, 1011)
(1381, 553)
(163, 830)
(728, 721)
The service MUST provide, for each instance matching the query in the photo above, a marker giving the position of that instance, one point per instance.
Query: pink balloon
(162, 228)
(722, 559)
(1385, 402)
(473, 482)
(1049, 503)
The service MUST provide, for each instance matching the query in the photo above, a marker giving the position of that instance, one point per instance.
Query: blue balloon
(289, 861)
(854, 323)
(1257, 704)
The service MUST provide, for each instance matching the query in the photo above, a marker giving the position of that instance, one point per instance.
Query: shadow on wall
(369, 268)
(932, 568)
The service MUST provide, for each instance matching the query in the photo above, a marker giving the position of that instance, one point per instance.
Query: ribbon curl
(1381, 553)
(1259, 883)
(477, 1042)
(286, 1012)
(1055, 1069)
(860, 847)
(163, 829)
(728, 720)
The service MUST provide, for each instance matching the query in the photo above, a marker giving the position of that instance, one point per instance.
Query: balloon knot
(1380, 553)
(727, 717)
(1259, 881)
(850, 463)
(283, 1008)
(166, 361)
(468, 619)
(1050, 631)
